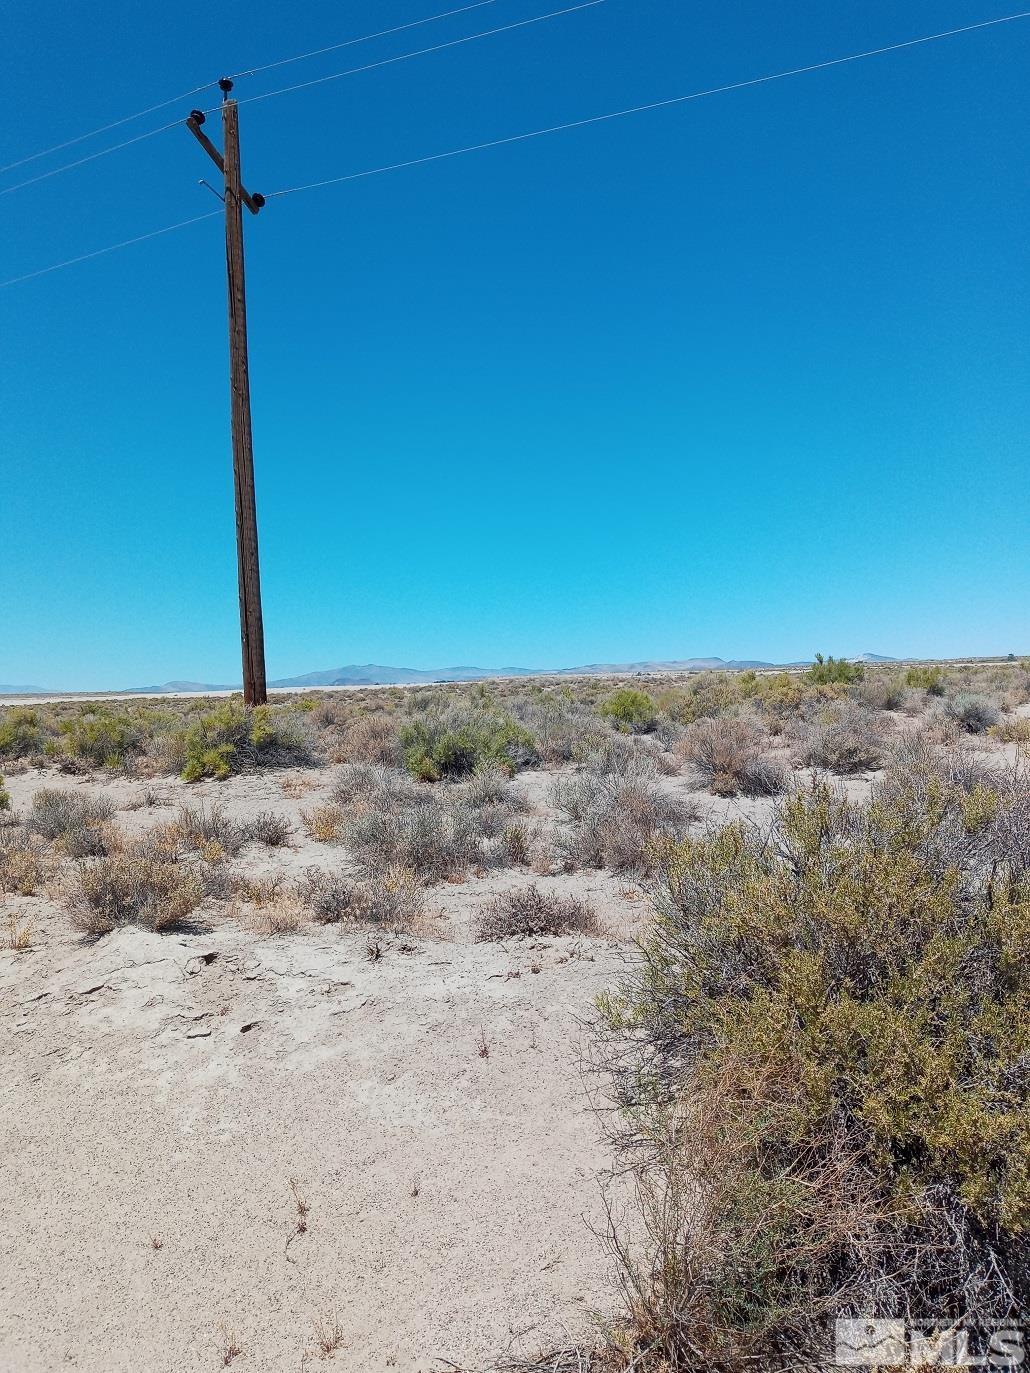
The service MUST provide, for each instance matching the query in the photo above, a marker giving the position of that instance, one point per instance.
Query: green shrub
(833, 671)
(102, 737)
(826, 1043)
(5, 795)
(458, 741)
(22, 733)
(234, 737)
(928, 679)
(631, 710)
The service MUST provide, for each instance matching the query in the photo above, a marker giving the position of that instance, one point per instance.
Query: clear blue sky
(745, 377)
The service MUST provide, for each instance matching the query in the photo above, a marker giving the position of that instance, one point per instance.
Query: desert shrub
(325, 823)
(207, 830)
(844, 737)
(533, 913)
(5, 795)
(392, 897)
(269, 828)
(825, 1043)
(613, 818)
(101, 737)
(703, 697)
(431, 838)
(74, 820)
(23, 733)
(1015, 730)
(563, 729)
(24, 863)
(372, 739)
(928, 679)
(631, 710)
(833, 671)
(881, 693)
(457, 739)
(234, 737)
(727, 756)
(975, 714)
(133, 888)
(365, 781)
(331, 897)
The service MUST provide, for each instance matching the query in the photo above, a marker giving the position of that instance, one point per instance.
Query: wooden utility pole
(252, 632)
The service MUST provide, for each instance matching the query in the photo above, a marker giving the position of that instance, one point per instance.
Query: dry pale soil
(225, 1140)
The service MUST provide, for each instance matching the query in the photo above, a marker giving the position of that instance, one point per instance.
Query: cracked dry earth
(173, 1103)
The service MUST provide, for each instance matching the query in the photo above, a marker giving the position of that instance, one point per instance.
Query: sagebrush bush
(844, 737)
(532, 913)
(727, 755)
(975, 714)
(564, 730)
(22, 732)
(102, 737)
(24, 862)
(928, 679)
(826, 1042)
(198, 828)
(459, 738)
(372, 739)
(134, 887)
(612, 818)
(234, 737)
(631, 710)
(76, 821)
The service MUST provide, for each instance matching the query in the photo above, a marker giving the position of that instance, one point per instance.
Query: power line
(90, 157)
(350, 42)
(286, 90)
(641, 109)
(540, 133)
(252, 71)
(421, 52)
(104, 128)
(114, 247)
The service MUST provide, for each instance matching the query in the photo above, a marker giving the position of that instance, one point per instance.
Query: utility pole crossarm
(252, 202)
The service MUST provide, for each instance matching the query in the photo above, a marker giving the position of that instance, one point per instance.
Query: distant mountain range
(376, 674)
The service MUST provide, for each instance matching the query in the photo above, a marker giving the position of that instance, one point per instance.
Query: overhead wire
(420, 52)
(335, 76)
(539, 133)
(641, 109)
(350, 42)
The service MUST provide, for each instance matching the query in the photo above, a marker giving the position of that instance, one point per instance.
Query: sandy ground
(167, 1099)
(160, 1092)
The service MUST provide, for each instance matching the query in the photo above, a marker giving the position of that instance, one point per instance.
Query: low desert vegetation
(833, 671)
(455, 740)
(137, 886)
(532, 913)
(75, 821)
(728, 756)
(971, 712)
(631, 710)
(844, 737)
(821, 1067)
(5, 795)
(613, 814)
(234, 738)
